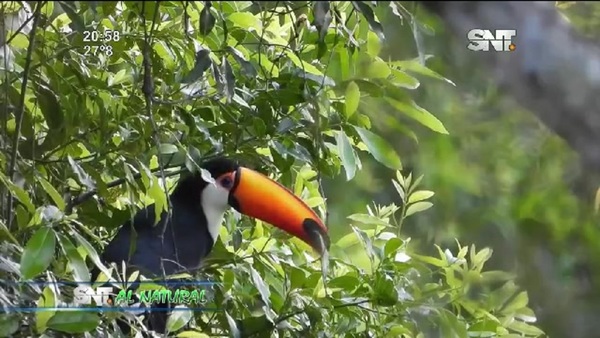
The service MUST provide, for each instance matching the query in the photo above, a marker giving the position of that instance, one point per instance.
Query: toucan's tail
(157, 318)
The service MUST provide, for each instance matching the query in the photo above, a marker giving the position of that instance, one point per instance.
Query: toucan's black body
(180, 240)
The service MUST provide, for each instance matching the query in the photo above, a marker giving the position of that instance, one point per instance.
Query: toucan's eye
(227, 182)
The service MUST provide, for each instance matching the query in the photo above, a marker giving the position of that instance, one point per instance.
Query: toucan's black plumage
(179, 241)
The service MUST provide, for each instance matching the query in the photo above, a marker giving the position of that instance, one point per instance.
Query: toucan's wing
(140, 233)
(181, 240)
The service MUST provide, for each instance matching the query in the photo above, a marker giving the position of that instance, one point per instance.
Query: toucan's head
(253, 194)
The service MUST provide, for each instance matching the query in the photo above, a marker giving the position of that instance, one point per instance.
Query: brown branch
(21, 111)
(88, 194)
(553, 72)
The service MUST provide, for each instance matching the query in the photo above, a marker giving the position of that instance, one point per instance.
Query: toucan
(180, 241)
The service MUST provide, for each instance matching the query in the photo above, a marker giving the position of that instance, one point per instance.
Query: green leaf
(71, 11)
(22, 217)
(298, 276)
(207, 20)
(349, 240)
(322, 18)
(419, 114)
(391, 246)
(346, 154)
(352, 98)
(168, 148)
(373, 44)
(76, 262)
(430, 260)
(398, 330)
(380, 149)
(418, 207)
(91, 252)
(74, 321)
(451, 326)
(38, 253)
(234, 331)
(303, 65)
(120, 77)
(229, 84)
(247, 67)
(525, 328)
(53, 193)
(481, 257)
(50, 106)
(157, 193)
(367, 12)
(246, 20)
(401, 79)
(263, 289)
(420, 196)
(9, 324)
(367, 219)
(192, 334)
(369, 87)
(178, 319)
(385, 291)
(19, 193)
(347, 282)
(378, 69)
(202, 63)
(518, 302)
(486, 328)
(47, 299)
(416, 67)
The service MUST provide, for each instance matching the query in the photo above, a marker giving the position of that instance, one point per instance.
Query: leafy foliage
(96, 129)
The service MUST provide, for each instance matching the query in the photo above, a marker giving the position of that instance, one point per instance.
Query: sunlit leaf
(420, 196)
(379, 148)
(47, 300)
(378, 69)
(76, 262)
(400, 78)
(192, 334)
(178, 319)
(419, 114)
(246, 20)
(53, 193)
(416, 67)
(352, 98)
(346, 154)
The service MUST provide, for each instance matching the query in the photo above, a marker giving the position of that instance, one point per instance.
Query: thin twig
(21, 110)
(300, 311)
(88, 194)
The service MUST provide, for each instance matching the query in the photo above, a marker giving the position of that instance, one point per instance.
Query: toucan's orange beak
(258, 196)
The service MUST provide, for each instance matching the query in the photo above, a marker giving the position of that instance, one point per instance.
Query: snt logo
(501, 41)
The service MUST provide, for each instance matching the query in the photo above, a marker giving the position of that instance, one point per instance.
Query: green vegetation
(409, 162)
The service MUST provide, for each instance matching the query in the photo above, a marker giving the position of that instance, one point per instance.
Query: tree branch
(88, 194)
(553, 72)
(21, 111)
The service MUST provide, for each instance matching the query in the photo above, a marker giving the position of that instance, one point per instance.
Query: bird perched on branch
(180, 241)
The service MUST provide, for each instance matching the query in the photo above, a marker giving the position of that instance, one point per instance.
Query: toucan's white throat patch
(215, 200)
